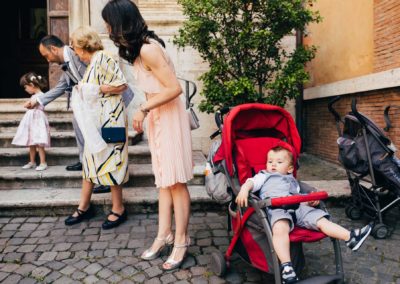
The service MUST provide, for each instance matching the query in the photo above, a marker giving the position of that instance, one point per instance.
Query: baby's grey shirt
(274, 184)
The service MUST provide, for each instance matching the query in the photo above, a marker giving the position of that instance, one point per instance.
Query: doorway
(20, 41)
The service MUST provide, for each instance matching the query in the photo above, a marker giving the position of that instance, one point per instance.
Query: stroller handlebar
(356, 113)
(332, 110)
(219, 116)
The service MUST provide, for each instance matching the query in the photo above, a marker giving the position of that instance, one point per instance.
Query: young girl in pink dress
(34, 130)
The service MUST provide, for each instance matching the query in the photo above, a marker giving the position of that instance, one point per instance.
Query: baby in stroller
(277, 181)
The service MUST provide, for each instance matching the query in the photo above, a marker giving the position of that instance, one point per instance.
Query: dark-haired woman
(168, 125)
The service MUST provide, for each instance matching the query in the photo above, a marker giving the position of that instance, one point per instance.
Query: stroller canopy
(256, 120)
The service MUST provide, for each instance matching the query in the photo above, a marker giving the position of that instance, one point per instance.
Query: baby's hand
(313, 203)
(242, 197)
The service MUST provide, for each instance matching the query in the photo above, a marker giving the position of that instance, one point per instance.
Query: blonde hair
(87, 38)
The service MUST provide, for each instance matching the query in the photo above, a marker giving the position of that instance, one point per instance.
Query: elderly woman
(110, 165)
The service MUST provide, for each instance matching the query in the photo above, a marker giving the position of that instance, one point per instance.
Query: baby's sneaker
(29, 166)
(358, 236)
(288, 274)
(41, 167)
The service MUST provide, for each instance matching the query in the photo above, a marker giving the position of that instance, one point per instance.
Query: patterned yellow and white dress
(110, 166)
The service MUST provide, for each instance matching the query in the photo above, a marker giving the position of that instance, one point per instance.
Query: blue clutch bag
(113, 134)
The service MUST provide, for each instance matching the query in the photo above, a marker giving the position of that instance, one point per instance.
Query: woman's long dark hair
(128, 28)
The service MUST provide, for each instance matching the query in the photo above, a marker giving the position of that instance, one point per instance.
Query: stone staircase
(27, 191)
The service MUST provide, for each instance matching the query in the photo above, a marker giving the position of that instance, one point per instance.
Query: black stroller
(371, 166)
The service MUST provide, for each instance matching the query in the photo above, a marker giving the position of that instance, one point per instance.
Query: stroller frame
(220, 262)
(366, 198)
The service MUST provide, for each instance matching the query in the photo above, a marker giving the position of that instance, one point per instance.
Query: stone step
(56, 124)
(63, 201)
(58, 139)
(138, 154)
(58, 177)
(12, 109)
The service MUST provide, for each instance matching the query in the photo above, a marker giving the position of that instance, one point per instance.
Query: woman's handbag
(193, 119)
(113, 134)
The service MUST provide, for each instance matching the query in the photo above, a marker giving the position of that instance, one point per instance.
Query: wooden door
(57, 19)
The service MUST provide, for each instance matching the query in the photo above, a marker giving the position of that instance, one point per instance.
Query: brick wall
(320, 130)
(386, 34)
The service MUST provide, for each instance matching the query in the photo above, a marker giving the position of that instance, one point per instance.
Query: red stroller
(249, 131)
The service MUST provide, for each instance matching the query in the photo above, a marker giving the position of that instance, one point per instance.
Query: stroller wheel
(218, 263)
(380, 231)
(353, 212)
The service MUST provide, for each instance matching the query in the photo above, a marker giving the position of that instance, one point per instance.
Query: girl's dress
(168, 131)
(34, 128)
(110, 166)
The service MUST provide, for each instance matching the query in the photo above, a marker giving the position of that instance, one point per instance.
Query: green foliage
(242, 42)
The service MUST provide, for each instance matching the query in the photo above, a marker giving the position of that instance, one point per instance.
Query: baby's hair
(279, 149)
(32, 78)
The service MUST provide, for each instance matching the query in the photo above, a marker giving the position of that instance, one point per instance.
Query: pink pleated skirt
(170, 143)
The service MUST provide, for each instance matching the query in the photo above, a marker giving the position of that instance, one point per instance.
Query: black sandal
(112, 224)
(82, 215)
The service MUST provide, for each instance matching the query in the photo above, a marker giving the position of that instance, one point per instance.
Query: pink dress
(33, 129)
(168, 131)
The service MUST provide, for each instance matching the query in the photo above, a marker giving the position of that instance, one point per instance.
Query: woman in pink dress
(34, 130)
(168, 124)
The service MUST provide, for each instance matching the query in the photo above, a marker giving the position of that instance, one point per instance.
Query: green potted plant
(242, 42)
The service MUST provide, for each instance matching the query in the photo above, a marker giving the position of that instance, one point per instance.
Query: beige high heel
(150, 255)
(173, 264)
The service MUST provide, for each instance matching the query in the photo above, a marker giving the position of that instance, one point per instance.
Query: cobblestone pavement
(43, 250)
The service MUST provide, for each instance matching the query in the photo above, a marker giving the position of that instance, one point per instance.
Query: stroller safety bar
(294, 199)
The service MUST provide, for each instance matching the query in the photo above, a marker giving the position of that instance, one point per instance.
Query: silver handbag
(194, 121)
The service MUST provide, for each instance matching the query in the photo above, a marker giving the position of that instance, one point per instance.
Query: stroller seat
(251, 156)
(248, 132)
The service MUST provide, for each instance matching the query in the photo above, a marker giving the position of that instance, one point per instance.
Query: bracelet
(144, 110)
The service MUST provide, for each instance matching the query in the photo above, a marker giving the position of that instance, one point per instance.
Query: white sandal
(150, 255)
(29, 166)
(173, 264)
